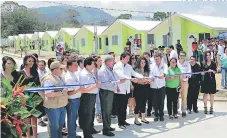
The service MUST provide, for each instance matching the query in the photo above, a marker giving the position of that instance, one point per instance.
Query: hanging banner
(60, 48)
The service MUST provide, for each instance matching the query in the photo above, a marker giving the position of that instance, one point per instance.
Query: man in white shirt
(80, 62)
(185, 68)
(158, 70)
(221, 47)
(42, 72)
(88, 97)
(72, 78)
(42, 69)
(173, 53)
(155, 51)
(123, 71)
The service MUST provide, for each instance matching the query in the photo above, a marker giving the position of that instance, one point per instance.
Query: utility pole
(95, 39)
(170, 35)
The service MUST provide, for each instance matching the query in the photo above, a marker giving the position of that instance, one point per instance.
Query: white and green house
(116, 35)
(37, 37)
(186, 27)
(48, 40)
(85, 40)
(66, 35)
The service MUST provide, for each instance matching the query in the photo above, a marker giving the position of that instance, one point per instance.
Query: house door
(106, 46)
(190, 39)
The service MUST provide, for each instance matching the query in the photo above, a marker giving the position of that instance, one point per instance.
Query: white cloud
(206, 10)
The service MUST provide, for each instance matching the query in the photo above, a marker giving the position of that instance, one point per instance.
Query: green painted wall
(189, 27)
(123, 32)
(181, 29)
(47, 46)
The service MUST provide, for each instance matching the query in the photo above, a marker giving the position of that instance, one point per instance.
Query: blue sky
(215, 8)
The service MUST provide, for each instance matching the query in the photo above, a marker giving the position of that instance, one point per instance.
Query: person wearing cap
(55, 101)
(72, 78)
(124, 71)
(179, 47)
(107, 89)
(158, 70)
(88, 97)
(185, 68)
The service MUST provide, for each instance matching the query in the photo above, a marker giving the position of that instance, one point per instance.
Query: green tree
(16, 19)
(124, 16)
(158, 16)
(103, 23)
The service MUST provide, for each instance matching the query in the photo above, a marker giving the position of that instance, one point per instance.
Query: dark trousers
(87, 104)
(159, 98)
(122, 101)
(193, 93)
(140, 93)
(172, 100)
(106, 99)
(150, 100)
(195, 53)
(114, 106)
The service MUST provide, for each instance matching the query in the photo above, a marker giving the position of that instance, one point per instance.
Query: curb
(18, 56)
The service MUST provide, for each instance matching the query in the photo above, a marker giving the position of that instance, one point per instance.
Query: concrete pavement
(193, 126)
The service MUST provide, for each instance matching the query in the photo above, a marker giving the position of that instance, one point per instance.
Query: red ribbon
(17, 90)
(6, 120)
(18, 123)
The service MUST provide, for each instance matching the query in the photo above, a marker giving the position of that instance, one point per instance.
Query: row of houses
(185, 27)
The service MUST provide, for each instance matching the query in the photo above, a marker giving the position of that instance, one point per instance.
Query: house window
(203, 36)
(137, 36)
(165, 40)
(82, 42)
(115, 40)
(150, 38)
(107, 41)
(100, 43)
(46, 42)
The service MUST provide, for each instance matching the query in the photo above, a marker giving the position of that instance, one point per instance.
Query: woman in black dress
(30, 75)
(208, 83)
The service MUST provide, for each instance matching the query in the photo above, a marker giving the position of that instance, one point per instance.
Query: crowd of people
(104, 88)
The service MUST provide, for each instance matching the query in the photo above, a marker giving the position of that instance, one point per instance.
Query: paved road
(193, 126)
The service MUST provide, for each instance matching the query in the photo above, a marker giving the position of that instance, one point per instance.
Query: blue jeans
(56, 118)
(73, 107)
(223, 77)
(98, 105)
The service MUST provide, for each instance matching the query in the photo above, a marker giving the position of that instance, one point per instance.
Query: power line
(107, 9)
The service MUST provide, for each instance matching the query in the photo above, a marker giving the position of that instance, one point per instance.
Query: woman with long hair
(171, 88)
(223, 60)
(132, 61)
(141, 89)
(8, 66)
(30, 75)
(208, 83)
(98, 113)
